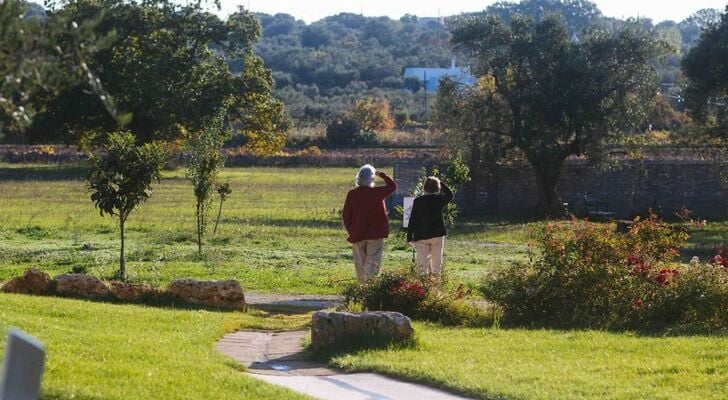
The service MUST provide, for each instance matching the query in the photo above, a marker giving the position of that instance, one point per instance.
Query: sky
(313, 10)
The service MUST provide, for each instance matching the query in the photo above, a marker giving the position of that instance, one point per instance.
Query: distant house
(430, 77)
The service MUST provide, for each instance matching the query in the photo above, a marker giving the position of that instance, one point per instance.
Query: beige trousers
(367, 258)
(429, 255)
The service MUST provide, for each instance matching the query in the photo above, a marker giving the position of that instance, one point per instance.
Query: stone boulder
(220, 294)
(80, 285)
(331, 328)
(131, 291)
(32, 282)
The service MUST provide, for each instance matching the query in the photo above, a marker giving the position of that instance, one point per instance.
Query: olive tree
(545, 97)
(121, 177)
(706, 67)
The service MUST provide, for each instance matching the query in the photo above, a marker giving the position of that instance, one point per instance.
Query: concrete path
(272, 353)
(306, 301)
(357, 387)
(280, 358)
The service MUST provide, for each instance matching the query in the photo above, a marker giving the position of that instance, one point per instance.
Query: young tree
(203, 167)
(547, 96)
(121, 177)
(223, 191)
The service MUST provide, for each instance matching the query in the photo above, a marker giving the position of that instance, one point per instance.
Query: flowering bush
(720, 258)
(416, 297)
(587, 275)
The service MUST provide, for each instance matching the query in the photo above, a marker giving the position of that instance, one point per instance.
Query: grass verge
(108, 351)
(545, 364)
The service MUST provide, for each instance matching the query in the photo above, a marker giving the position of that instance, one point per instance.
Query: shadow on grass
(286, 222)
(157, 300)
(354, 345)
(167, 301)
(656, 332)
(43, 172)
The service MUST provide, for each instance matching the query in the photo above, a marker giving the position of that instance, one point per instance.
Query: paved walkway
(272, 353)
(309, 301)
(358, 387)
(280, 358)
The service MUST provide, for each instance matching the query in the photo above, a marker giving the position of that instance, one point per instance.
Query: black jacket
(426, 218)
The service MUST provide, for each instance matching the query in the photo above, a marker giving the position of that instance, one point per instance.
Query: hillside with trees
(321, 68)
(318, 71)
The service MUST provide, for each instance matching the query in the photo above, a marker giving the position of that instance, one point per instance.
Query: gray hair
(365, 177)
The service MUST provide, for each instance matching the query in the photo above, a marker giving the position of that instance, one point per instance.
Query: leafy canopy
(122, 173)
(40, 57)
(547, 96)
(706, 67)
(169, 67)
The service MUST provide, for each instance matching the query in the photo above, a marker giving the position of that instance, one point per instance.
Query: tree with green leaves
(205, 160)
(692, 27)
(169, 70)
(577, 14)
(544, 97)
(706, 67)
(121, 176)
(41, 56)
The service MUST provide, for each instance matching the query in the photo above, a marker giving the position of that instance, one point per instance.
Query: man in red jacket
(365, 219)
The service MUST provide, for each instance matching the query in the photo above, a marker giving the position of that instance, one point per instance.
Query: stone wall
(628, 189)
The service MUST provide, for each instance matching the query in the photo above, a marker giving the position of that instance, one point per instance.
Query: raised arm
(390, 187)
(446, 193)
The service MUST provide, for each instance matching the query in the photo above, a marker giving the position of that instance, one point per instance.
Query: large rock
(219, 294)
(132, 291)
(331, 328)
(80, 285)
(32, 282)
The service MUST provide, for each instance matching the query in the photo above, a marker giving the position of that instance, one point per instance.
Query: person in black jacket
(426, 228)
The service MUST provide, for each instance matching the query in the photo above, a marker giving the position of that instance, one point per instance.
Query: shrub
(586, 275)
(417, 297)
(373, 115)
(342, 131)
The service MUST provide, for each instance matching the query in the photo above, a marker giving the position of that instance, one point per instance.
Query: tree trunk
(549, 202)
(199, 228)
(122, 260)
(217, 221)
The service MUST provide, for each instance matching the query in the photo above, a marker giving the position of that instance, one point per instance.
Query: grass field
(107, 351)
(111, 351)
(280, 231)
(549, 365)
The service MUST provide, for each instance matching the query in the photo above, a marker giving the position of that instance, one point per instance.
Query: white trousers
(429, 255)
(367, 258)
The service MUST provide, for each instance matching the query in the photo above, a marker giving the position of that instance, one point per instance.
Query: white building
(430, 77)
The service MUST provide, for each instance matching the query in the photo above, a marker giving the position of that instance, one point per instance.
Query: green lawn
(280, 231)
(545, 364)
(107, 351)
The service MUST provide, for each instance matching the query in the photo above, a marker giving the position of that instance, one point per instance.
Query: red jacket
(365, 215)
